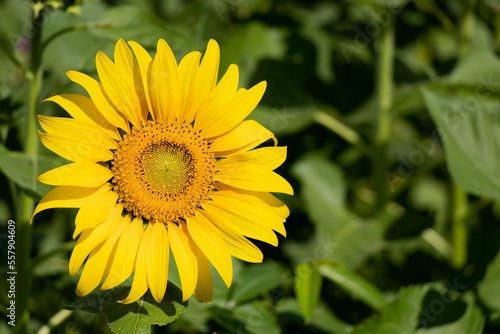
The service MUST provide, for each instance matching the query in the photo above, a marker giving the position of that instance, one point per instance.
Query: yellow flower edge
(163, 159)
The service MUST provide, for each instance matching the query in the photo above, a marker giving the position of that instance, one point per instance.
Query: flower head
(163, 159)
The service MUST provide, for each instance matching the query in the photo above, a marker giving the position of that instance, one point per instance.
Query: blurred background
(391, 114)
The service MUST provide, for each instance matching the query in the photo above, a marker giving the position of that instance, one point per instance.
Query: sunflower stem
(23, 242)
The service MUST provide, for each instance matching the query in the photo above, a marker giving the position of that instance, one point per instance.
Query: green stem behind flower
(383, 83)
(26, 203)
(458, 213)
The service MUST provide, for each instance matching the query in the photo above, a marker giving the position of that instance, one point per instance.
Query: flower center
(162, 172)
(168, 167)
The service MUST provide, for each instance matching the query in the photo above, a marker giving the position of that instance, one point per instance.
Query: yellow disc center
(162, 172)
(168, 167)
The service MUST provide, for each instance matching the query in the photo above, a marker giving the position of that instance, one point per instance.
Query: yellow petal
(204, 81)
(226, 220)
(235, 111)
(223, 92)
(249, 208)
(252, 177)
(145, 64)
(122, 83)
(237, 245)
(82, 108)
(95, 210)
(124, 61)
(95, 92)
(206, 76)
(76, 149)
(267, 157)
(79, 131)
(91, 238)
(157, 256)
(82, 174)
(164, 88)
(126, 251)
(140, 283)
(67, 197)
(185, 259)
(129, 68)
(212, 245)
(204, 289)
(95, 267)
(244, 137)
(268, 199)
(188, 68)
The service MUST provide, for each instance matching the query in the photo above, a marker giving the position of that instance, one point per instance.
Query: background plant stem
(26, 203)
(458, 214)
(384, 75)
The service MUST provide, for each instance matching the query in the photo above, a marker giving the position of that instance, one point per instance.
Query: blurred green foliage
(385, 236)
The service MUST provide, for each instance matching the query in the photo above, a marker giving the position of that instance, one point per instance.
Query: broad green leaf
(23, 170)
(352, 283)
(136, 317)
(399, 316)
(339, 235)
(257, 279)
(489, 292)
(322, 320)
(471, 138)
(307, 288)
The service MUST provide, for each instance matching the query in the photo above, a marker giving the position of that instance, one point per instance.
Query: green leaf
(23, 170)
(488, 292)
(136, 317)
(307, 288)
(471, 138)
(353, 284)
(257, 279)
(399, 316)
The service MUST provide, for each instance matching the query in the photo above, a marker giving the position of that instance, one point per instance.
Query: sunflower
(163, 159)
